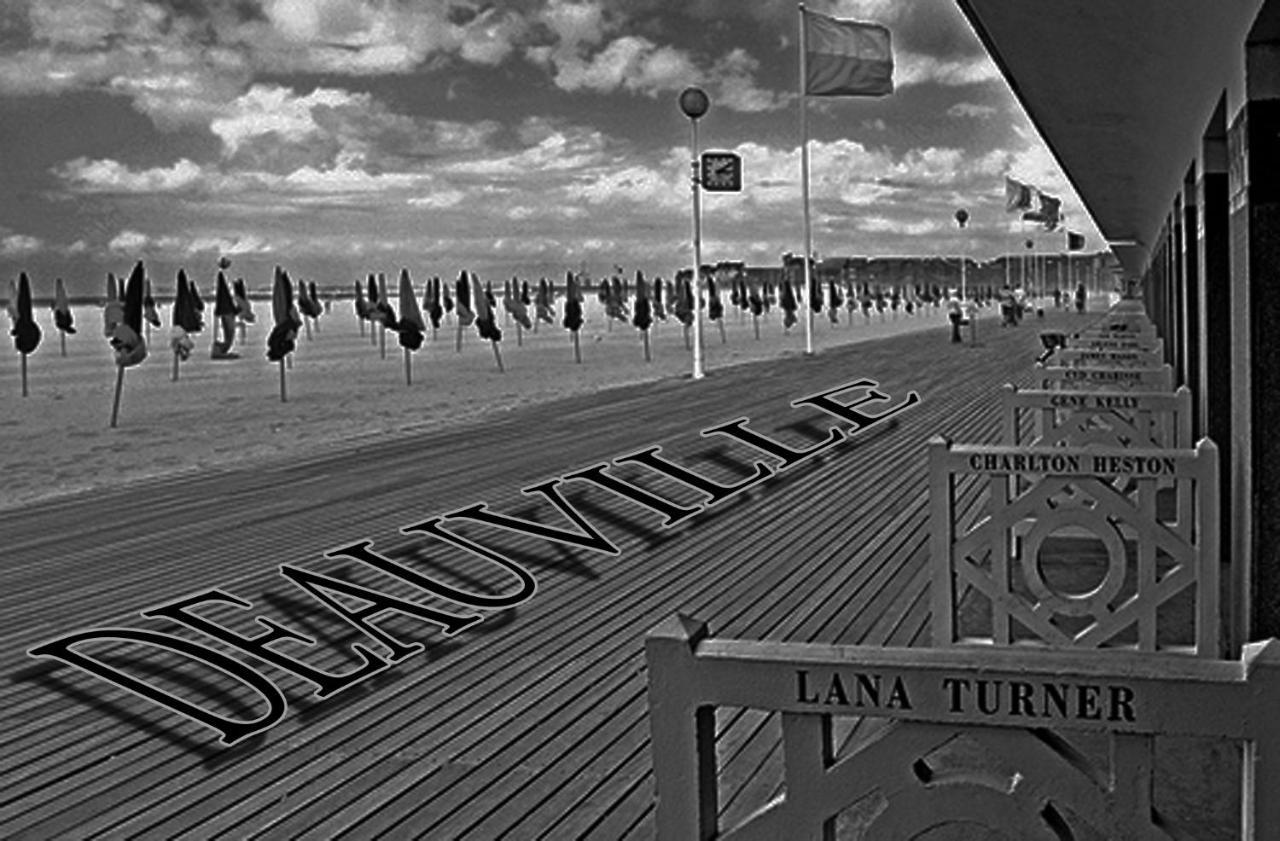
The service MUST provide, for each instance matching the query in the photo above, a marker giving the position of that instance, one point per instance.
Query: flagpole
(804, 186)
(696, 279)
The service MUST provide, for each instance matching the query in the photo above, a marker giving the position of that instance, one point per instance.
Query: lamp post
(962, 219)
(694, 103)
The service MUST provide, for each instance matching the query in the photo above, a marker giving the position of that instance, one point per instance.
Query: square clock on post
(721, 172)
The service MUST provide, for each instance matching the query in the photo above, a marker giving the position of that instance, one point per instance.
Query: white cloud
(969, 109)
(636, 64)
(343, 21)
(109, 176)
(640, 185)
(914, 68)
(911, 228)
(438, 200)
(20, 245)
(882, 11)
(630, 62)
(736, 86)
(129, 241)
(559, 150)
(574, 23)
(229, 246)
(271, 109)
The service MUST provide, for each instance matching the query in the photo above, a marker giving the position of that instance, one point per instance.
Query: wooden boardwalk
(533, 723)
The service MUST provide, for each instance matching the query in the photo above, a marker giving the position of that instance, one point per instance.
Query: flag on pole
(1051, 209)
(1017, 196)
(846, 57)
(1049, 214)
(837, 58)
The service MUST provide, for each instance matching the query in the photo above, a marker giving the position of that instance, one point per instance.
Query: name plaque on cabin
(1099, 465)
(1155, 379)
(1061, 400)
(1031, 701)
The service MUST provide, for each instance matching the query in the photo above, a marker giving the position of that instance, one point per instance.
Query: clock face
(721, 172)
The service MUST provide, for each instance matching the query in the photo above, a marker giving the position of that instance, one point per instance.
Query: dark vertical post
(1178, 299)
(1254, 184)
(1213, 258)
(1190, 270)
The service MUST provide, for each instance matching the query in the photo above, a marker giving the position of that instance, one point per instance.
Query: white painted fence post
(683, 734)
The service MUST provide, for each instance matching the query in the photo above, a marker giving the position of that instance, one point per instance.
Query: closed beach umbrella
(25, 331)
(149, 305)
(643, 316)
(126, 338)
(62, 316)
(410, 324)
(283, 338)
(573, 312)
(486, 321)
(284, 335)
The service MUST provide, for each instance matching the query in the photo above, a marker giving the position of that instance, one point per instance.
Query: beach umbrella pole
(458, 343)
(647, 357)
(577, 351)
(755, 319)
(720, 324)
(175, 366)
(497, 354)
(306, 320)
(24, 375)
(519, 336)
(62, 342)
(408, 368)
(115, 401)
(283, 395)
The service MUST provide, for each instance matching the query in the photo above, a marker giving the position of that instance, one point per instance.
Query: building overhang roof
(1122, 93)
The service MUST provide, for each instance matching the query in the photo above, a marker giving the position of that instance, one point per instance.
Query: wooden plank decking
(533, 723)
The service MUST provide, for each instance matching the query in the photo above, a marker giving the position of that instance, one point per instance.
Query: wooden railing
(1001, 700)
(1085, 418)
(1034, 642)
(1021, 568)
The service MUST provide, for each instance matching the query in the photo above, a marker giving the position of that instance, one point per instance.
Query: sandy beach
(342, 390)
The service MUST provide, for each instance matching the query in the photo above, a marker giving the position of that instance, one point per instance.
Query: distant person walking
(1008, 308)
(1081, 296)
(955, 312)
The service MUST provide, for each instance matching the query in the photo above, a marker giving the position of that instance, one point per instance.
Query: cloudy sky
(338, 137)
